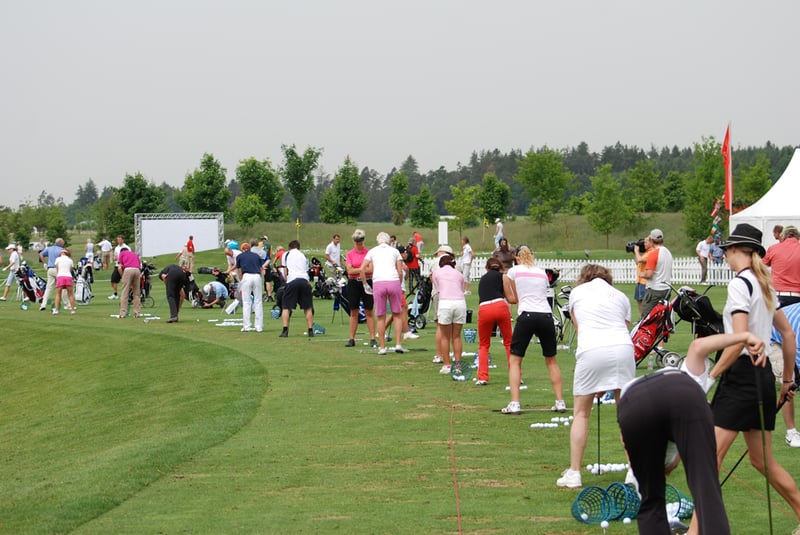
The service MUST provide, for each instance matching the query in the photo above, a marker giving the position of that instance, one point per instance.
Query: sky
(99, 89)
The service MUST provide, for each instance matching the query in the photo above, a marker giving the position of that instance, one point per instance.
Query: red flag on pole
(727, 161)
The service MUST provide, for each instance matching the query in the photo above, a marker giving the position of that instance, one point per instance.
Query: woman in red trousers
(493, 310)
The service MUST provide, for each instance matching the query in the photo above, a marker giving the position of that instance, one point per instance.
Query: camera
(631, 245)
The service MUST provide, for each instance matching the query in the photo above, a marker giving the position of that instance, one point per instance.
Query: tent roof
(779, 206)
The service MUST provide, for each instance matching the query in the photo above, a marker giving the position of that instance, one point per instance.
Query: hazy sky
(97, 89)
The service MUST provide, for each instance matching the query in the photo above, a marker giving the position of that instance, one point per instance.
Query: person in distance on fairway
(434, 306)
(601, 315)
(664, 417)
(176, 281)
(129, 267)
(527, 285)
(745, 400)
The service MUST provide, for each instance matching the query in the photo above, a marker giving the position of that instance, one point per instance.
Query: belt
(788, 294)
(492, 301)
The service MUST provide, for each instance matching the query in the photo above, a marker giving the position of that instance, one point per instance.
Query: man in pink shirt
(130, 269)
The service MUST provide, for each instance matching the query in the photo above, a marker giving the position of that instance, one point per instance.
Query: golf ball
(626, 520)
(566, 424)
(584, 516)
(604, 524)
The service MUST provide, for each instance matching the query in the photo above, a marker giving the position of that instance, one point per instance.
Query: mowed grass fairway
(121, 426)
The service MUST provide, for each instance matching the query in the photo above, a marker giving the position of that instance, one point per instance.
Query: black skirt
(736, 402)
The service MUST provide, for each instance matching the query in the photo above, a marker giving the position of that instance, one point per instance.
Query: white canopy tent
(779, 206)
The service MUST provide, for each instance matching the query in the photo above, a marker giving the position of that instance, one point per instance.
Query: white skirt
(602, 369)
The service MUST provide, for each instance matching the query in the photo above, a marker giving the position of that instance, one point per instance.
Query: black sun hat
(745, 235)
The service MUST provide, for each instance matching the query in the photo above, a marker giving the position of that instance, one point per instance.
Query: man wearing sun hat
(784, 259)
(658, 272)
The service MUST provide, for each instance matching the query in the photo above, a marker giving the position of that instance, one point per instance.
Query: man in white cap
(214, 293)
(11, 267)
(658, 272)
(498, 232)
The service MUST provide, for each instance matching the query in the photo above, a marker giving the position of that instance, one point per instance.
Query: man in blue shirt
(250, 268)
(214, 293)
(48, 257)
(792, 313)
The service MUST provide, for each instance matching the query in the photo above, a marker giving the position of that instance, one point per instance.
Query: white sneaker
(382, 351)
(570, 479)
(408, 335)
(112, 297)
(445, 370)
(55, 312)
(399, 349)
(630, 479)
(560, 406)
(246, 329)
(437, 359)
(793, 438)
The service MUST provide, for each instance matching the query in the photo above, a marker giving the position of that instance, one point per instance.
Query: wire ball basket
(685, 505)
(623, 501)
(592, 505)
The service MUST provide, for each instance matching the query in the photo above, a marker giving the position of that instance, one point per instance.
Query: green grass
(117, 426)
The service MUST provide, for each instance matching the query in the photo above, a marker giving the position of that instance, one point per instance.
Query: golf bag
(86, 270)
(32, 285)
(697, 309)
(654, 328)
(83, 282)
(420, 304)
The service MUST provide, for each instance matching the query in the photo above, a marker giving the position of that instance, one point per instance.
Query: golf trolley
(659, 324)
(146, 299)
(420, 304)
(559, 302)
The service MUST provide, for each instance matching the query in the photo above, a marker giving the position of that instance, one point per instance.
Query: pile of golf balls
(604, 468)
(459, 378)
(553, 423)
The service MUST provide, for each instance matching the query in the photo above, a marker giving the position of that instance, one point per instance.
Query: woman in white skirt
(602, 316)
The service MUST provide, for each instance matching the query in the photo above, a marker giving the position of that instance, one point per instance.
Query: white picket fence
(685, 270)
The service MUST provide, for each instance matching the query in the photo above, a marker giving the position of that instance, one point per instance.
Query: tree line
(614, 189)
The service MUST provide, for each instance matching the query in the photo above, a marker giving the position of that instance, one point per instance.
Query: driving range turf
(127, 426)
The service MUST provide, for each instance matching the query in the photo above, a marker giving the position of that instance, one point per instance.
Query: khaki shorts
(776, 359)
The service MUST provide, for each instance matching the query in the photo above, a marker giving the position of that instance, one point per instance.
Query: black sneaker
(350, 343)
(284, 334)
(311, 333)
(373, 343)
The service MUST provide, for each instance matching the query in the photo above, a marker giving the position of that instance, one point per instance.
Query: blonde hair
(764, 279)
(525, 255)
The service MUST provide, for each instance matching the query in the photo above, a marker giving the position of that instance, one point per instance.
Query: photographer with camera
(658, 272)
(641, 250)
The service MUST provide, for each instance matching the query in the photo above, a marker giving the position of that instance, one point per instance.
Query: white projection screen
(158, 234)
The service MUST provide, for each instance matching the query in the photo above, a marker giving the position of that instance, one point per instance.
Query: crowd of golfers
(665, 417)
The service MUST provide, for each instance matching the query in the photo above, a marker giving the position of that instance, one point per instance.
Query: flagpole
(727, 162)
